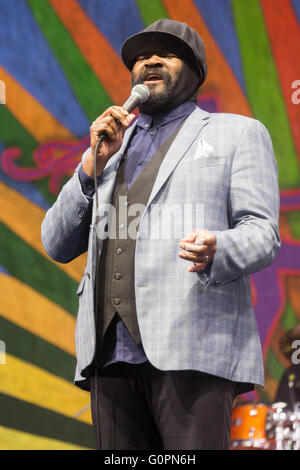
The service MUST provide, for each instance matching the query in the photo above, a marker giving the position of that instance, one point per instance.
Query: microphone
(139, 94)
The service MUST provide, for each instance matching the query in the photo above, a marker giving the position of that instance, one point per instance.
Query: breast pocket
(204, 162)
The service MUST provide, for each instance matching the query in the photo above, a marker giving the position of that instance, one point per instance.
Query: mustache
(155, 71)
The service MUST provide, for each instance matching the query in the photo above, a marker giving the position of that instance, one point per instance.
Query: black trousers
(137, 407)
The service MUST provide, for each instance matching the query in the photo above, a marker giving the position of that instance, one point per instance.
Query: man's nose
(154, 60)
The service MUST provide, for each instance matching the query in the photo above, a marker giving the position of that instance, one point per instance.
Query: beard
(161, 100)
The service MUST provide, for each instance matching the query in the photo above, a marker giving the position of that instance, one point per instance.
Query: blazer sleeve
(252, 240)
(66, 226)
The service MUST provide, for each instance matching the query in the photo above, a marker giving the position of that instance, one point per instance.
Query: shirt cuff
(87, 183)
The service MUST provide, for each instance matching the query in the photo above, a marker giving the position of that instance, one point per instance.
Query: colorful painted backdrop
(60, 61)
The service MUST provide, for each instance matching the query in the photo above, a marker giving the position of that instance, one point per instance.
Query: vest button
(119, 251)
(81, 212)
(118, 276)
(117, 301)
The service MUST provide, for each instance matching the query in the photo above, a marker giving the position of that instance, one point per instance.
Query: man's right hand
(114, 122)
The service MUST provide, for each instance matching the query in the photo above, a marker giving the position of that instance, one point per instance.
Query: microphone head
(142, 91)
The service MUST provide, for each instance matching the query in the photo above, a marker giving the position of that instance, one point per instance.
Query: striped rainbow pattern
(60, 61)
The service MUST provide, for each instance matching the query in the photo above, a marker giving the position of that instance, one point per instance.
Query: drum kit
(256, 426)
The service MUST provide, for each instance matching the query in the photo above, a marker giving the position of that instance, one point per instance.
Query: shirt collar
(184, 109)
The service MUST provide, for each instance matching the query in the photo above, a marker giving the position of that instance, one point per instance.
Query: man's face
(160, 72)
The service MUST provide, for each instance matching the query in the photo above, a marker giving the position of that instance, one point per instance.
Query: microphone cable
(96, 292)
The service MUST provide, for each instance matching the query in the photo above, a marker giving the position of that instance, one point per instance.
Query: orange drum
(249, 427)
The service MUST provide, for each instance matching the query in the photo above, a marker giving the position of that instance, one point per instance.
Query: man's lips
(153, 82)
(152, 79)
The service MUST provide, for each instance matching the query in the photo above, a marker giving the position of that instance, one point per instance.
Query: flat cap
(168, 36)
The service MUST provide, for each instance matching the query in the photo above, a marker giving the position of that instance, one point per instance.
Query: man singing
(166, 334)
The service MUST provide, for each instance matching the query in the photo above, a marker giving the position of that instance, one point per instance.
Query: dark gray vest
(116, 268)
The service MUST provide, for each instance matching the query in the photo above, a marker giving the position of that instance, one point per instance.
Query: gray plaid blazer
(219, 174)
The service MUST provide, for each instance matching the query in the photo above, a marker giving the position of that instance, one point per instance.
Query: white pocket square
(204, 149)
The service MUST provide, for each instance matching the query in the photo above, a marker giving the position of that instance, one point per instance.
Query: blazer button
(117, 301)
(118, 276)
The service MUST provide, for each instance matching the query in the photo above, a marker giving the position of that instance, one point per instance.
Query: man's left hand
(200, 247)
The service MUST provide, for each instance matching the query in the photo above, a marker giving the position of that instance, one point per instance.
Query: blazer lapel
(181, 144)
